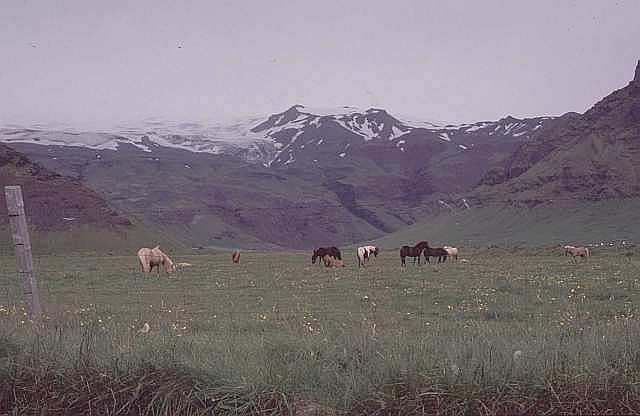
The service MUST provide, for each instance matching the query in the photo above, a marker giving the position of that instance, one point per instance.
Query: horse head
(169, 266)
(314, 256)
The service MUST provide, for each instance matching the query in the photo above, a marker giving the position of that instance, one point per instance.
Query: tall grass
(490, 336)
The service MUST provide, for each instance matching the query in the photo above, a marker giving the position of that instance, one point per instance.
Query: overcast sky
(97, 63)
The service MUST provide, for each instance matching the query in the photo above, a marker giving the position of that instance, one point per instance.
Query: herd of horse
(151, 258)
(364, 253)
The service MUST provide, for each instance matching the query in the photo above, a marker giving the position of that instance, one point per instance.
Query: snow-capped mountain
(353, 173)
(301, 134)
(279, 139)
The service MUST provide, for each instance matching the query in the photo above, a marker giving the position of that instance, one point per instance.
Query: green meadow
(500, 332)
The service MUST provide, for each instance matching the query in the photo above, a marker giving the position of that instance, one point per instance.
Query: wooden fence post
(18, 222)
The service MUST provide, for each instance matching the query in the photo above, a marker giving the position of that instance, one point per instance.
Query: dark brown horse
(438, 252)
(422, 245)
(407, 251)
(322, 251)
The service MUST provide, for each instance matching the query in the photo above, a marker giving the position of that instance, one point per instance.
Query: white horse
(365, 252)
(154, 257)
(452, 252)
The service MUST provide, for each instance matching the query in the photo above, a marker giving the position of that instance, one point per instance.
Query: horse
(235, 256)
(407, 251)
(422, 245)
(452, 252)
(330, 261)
(576, 251)
(365, 252)
(154, 257)
(438, 252)
(322, 251)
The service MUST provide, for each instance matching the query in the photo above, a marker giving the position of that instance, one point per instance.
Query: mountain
(58, 206)
(52, 201)
(591, 156)
(575, 180)
(295, 179)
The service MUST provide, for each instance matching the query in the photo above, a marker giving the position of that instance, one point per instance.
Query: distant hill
(577, 179)
(60, 210)
(592, 156)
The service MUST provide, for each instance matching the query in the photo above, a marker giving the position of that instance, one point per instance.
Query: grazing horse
(576, 251)
(365, 252)
(407, 251)
(438, 252)
(154, 257)
(332, 261)
(235, 256)
(322, 251)
(452, 252)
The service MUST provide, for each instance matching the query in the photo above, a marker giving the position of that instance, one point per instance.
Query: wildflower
(455, 370)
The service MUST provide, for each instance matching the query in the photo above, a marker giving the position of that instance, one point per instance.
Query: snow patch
(342, 154)
(477, 127)
(396, 132)
(444, 204)
(445, 137)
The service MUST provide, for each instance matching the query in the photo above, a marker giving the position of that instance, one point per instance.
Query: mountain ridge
(306, 177)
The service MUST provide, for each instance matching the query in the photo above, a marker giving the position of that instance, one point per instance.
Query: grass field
(499, 332)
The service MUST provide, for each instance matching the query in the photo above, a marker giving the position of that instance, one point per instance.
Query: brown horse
(415, 252)
(235, 256)
(438, 252)
(154, 257)
(322, 251)
(576, 251)
(407, 251)
(330, 261)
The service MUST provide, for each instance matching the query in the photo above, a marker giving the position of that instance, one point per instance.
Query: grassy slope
(89, 239)
(579, 222)
(335, 337)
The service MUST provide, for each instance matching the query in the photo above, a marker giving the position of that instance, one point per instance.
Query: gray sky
(91, 62)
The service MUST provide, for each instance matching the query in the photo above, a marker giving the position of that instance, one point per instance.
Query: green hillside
(564, 222)
(89, 239)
